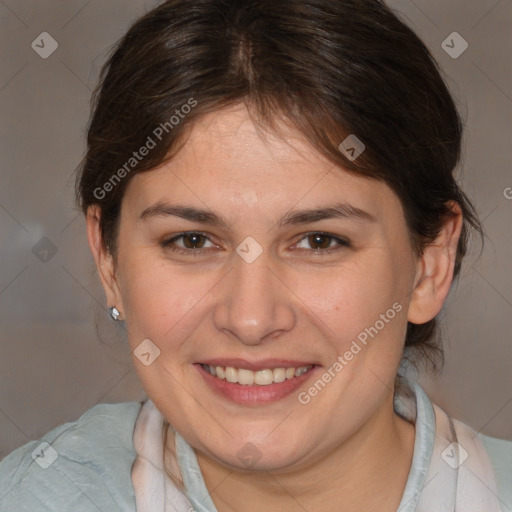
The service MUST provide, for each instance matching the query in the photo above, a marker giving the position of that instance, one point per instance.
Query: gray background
(53, 367)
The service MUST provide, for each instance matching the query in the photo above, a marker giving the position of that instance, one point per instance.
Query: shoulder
(500, 455)
(81, 465)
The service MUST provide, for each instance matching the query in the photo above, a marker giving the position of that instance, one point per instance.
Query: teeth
(260, 377)
(231, 374)
(290, 373)
(279, 374)
(263, 377)
(245, 377)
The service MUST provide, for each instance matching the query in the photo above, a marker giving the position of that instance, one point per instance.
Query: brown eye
(190, 242)
(193, 240)
(319, 241)
(322, 242)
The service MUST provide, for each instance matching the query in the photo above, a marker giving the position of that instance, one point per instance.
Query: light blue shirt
(92, 471)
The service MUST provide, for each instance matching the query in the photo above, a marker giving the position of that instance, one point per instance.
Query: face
(256, 285)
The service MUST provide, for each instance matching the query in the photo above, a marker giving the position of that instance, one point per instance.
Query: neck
(367, 471)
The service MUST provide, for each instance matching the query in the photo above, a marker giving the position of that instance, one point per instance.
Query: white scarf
(470, 487)
(437, 483)
(154, 490)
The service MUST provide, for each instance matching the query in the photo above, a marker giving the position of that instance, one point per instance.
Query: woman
(270, 201)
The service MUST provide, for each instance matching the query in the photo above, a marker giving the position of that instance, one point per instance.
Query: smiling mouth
(263, 377)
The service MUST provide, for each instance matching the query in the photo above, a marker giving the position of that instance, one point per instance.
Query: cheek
(161, 303)
(165, 306)
(350, 298)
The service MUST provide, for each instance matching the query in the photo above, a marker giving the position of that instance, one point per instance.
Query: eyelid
(168, 241)
(341, 242)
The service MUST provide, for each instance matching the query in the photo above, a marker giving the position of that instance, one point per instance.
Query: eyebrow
(203, 216)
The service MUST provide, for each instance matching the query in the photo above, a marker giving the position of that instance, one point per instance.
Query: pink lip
(262, 364)
(254, 395)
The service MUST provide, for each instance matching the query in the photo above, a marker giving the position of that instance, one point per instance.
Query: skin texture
(289, 303)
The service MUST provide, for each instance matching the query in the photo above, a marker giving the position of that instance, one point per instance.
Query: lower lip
(254, 395)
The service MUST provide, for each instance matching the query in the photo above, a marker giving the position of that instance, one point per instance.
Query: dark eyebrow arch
(190, 213)
(339, 210)
(336, 211)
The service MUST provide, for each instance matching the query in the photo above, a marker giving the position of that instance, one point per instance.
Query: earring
(114, 313)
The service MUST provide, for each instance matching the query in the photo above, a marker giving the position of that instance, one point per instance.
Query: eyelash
(167, 244)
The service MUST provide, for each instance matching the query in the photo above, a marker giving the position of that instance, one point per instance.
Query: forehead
(229, 160)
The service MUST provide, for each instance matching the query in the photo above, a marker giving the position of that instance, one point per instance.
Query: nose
(254, 304)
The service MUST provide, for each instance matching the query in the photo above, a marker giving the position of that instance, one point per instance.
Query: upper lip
(262, 364)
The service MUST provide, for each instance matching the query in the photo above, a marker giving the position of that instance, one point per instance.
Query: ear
(104, 260)
(435, 270)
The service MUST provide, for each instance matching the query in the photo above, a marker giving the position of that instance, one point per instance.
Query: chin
(250, 454)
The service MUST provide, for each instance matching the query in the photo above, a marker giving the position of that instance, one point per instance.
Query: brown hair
(330, 68)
